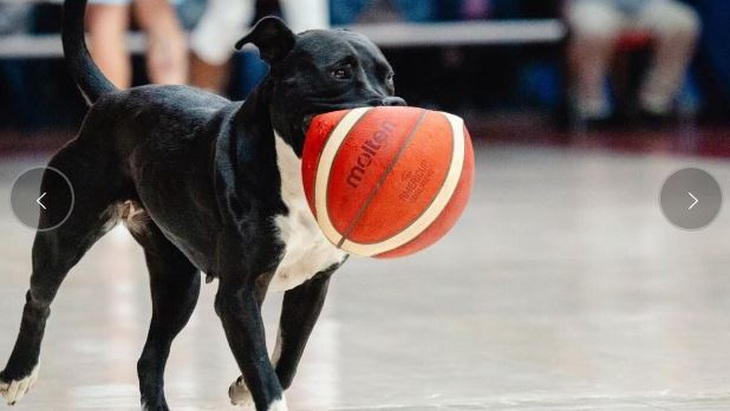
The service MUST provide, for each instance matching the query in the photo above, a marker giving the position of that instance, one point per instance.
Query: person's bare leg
(167, 46)
(212, 40)
(211, 77)
(595, 27)
(107, 26)
(675, 27)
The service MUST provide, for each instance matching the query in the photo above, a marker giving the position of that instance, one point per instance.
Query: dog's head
(318, 71)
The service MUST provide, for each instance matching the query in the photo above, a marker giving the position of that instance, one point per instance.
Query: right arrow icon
(694, 198)
(690, 198)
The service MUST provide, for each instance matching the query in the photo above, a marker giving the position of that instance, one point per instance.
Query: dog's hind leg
(55, 252)
(175, 285)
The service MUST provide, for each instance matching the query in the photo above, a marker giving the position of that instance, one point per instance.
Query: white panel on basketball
(326, 159)
(441, 200)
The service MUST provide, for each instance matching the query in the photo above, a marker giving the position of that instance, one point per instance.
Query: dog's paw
(239, 394)
(14, 390)
(278, 405)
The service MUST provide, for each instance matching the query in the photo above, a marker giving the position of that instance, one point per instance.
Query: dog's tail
(89, 78)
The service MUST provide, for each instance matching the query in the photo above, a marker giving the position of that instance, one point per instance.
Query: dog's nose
(393, 101)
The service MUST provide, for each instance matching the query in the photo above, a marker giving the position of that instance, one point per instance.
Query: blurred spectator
(597, 25)
(107, 24)
(359, 11)
(714, 58)
(475, 9)
(226, 21)
(15, 19)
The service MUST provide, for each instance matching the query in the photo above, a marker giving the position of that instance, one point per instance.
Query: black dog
(220, 188)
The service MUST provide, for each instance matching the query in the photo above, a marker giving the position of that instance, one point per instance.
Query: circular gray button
(42, 198)
(691, 198)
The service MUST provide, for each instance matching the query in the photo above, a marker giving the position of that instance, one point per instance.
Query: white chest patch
(307, 251)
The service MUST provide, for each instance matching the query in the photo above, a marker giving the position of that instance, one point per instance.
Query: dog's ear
(272, 37)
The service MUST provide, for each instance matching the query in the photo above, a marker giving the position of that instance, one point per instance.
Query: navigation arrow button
(38, 200)
(54, 205)
(694, 198)
(680, 198)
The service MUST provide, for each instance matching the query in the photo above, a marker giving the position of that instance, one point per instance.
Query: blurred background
(499, 63)
(562, 287)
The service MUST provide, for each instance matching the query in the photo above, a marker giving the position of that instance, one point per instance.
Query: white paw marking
(241, 397)
(278, 405)
(239, 394)
(238, 391)
(14, 391)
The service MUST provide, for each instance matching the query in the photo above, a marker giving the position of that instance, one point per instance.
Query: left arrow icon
(42, 198)
(39, 200)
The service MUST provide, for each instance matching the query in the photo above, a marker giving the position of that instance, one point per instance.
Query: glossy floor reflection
(562, 288)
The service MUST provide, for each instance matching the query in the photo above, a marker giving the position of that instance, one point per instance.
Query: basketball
(387, 181)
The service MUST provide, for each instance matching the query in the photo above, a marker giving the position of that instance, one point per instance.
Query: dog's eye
(343, 72)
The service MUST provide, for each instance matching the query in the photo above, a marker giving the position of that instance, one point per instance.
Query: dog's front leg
(238, 307)
(300, 311)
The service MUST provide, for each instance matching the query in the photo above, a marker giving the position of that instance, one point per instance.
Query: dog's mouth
(307, 118)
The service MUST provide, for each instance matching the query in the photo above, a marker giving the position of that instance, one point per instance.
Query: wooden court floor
(562, 288)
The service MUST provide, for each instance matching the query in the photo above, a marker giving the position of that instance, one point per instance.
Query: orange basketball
(387, 181)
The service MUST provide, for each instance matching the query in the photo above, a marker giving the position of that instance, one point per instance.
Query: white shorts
(226, 21)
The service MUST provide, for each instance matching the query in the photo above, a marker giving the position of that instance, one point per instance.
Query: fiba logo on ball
(413, 182)
(387, 181)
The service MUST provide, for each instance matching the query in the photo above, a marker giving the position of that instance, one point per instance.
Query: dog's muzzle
(393, 101)
(381, 101)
